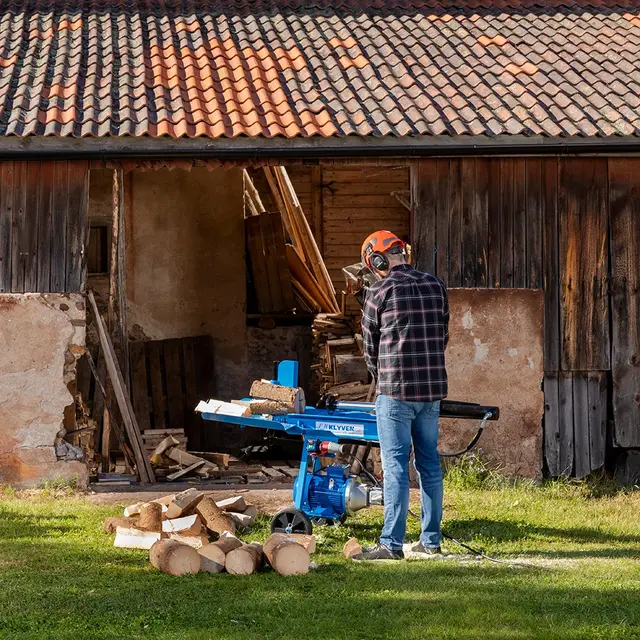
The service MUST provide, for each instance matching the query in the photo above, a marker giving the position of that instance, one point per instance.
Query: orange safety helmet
(377, 243)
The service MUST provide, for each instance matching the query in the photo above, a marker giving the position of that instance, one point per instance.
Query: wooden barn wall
(344, 204)
(43, 226)
(572, 227)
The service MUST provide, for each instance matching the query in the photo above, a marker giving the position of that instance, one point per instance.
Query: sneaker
(418, 547)
(380, 552)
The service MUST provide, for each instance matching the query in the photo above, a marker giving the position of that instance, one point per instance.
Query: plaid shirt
(405, 326)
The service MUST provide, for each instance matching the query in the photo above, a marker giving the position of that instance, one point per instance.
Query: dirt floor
(268, 498)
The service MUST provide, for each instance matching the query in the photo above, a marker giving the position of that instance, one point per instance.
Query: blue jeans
(399, 424)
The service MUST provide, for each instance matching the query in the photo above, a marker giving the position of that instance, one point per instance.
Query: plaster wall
(495, 357)
(42, 335)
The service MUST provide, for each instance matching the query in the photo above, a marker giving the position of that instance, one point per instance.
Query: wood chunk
(214, 518)
(235, 503)
(165, 500)
(228, 542)
(286, 556)
(174, 558)
(269, 407)
(132, 538)
(224, 408)
(186, 526)
(291, 397)
(162, 432)
(132, 509)
(242, 520)
(186, 459)
(150, 517)
(220, 459)
(307, 541)
(212, 558)
(168, 443)
(187, 470)
(196, 542)
(351, 548)
(111, 524)
(184, 503)
(273, 474)
(350, 368)
(252, 512)
(244, 560)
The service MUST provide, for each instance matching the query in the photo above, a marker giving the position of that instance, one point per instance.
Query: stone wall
(495, 357)
(42, 335)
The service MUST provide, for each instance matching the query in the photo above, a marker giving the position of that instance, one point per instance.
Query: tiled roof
(319, 68)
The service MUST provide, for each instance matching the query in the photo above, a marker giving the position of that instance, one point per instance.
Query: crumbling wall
(42, 335)
(185, 263)
(495, 357)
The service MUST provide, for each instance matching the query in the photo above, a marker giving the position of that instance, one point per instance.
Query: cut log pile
(338, 355)
(190, 532)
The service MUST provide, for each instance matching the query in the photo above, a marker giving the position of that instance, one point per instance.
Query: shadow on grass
(515, 531)
(118, 595)
(17, 525)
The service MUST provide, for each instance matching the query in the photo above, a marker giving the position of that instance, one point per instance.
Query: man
(405, 324)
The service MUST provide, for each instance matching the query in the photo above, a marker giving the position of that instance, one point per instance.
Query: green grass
(60, 576)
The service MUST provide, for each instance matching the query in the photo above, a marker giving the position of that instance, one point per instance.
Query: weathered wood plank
(455, 223)
(481, 214)
(158, 403)
(6, 227)
(624, 199)
(494, 239)
(140, 384)
(533, 215)
(29, 232)
(551, 264)
(565, 426)
(423, 197)
(259, 275)
(519, 223)
(597, 395)
(468, 221)
(18, 222)
(315, 205)
(269, 263)
(191, 419)
(175, 400)
(59, 207)
(506, 222)
(581, 439)
(551, 424)
(443, 168)
(78, 226)
(582, 209)
(45, 190)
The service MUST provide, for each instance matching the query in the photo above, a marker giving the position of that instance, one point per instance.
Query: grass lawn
(60, 576)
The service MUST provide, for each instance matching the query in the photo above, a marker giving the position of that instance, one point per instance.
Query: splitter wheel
(291, 521)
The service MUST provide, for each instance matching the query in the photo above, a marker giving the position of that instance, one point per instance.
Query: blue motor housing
(324, 493)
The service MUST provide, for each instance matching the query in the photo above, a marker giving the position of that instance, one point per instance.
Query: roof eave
(309, 148)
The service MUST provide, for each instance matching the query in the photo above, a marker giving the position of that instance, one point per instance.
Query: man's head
(383, 250)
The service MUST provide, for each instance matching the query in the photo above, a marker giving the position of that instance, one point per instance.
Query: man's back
(405, 328)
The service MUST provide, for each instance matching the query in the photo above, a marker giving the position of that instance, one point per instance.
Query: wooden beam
(124, 403)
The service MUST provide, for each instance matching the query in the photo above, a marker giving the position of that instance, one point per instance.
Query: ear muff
(379, 261)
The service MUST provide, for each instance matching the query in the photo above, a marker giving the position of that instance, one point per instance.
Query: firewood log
(132, 509)
(111, 524)
(213, 556)
(184, 504)
(235, 503)
(196, 542)
(150, 517)
(286, 556)
(186, 526)
(129, 538)
(174, 558)
(351, 548)
(244, 560)
(291, 397)
(214, 518)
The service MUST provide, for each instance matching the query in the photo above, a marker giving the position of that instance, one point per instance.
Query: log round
(215, 519)
(244, 560)
(174, 558)
(212, 558)
(286, 556)
(150, 517)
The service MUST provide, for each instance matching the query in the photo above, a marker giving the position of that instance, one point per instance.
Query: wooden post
(316, 206)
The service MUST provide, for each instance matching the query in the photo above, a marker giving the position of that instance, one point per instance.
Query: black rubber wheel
(291, 521)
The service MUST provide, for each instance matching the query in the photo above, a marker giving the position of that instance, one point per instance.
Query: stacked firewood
(190, 532)
(339, 360)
